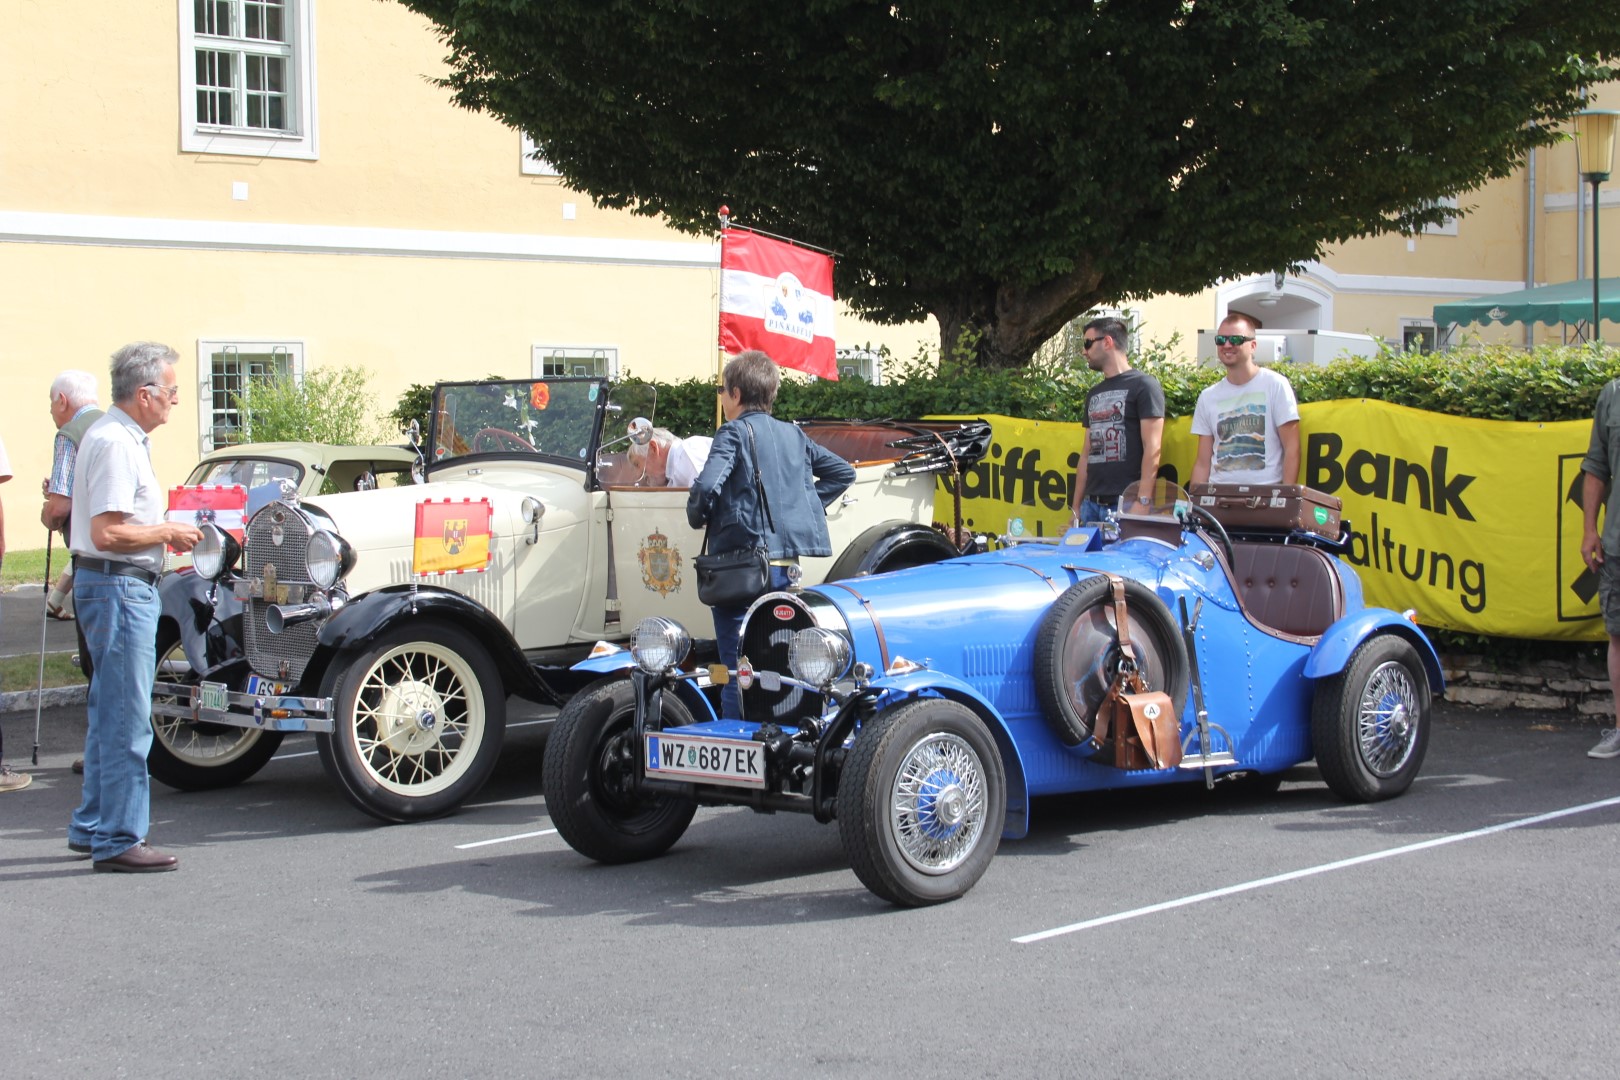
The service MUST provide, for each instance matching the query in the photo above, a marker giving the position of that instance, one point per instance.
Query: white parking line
(504, 839)
(1310, 871)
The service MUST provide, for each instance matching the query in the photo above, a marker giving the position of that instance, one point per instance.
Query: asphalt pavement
(22, 613)
(1466, 929)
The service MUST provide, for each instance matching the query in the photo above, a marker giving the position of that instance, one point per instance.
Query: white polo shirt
(114, 474)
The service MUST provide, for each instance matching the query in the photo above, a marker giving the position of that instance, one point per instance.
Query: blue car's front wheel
(1370, 723)
(922, 801)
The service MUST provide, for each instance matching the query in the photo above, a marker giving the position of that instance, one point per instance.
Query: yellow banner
(1475, 523)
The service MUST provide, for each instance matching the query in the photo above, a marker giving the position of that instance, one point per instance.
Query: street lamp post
(1594, 154)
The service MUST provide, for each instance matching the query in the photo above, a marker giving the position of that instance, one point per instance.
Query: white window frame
(298, 142)
(530, 161)
(575, 360)
(207, 413)
(1449, 226)
(863, 361)
(1427, 326)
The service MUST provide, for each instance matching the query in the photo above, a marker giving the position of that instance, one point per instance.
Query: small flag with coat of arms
(452, 537)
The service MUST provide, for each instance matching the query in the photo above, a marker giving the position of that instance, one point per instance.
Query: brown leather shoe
(78, 766)
(82, 850)
(143, 858)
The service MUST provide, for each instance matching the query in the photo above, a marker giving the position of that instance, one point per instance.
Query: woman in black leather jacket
(800, 477)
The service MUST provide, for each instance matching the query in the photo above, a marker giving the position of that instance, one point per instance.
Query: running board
(1218, 759)
(1209, 759)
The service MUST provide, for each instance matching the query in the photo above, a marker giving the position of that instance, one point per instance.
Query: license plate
(213, 695)
(711, 761)
(257, 684)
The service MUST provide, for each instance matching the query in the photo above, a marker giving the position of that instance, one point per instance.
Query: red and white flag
(778, 298)
(224, 505)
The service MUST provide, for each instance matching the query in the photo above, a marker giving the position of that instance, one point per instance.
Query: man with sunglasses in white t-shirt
(1248, 423)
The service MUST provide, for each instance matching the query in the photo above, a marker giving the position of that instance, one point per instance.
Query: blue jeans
(1092, 510)
(119, 616)
(728, 638)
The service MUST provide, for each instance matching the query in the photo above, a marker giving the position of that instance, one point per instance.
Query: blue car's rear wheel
(589, 771)
(1370, 723)
(921, 802)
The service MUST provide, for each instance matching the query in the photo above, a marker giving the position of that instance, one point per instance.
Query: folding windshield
(550, 418)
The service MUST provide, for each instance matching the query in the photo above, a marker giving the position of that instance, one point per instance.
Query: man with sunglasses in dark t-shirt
(1124, 419)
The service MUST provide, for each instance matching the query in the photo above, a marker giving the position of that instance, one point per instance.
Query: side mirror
(641, 431)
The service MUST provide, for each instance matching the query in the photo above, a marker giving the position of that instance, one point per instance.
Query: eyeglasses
(1090, 341)
(720, 391)
(172, 391)
(1232, 339)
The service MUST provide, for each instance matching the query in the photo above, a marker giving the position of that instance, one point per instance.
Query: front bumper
(213, 703)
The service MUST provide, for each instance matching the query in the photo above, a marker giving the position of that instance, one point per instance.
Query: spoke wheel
(200, 756)
(420, 719)
(1370, 723)
(922, 801)
(590, 765)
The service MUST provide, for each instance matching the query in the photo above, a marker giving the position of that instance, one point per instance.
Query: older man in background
(117, 535)
(73, 410)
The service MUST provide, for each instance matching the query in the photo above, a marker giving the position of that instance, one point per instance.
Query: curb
(54, 697)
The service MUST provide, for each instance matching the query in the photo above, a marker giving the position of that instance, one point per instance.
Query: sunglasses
(1090, 341)
(172, 391)
(1232, 339)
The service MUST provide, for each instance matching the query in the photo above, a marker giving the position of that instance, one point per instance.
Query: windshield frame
(436, 460)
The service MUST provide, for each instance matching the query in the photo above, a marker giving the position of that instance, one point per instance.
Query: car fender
(1332, 653)
(893, 689)
(359, 621)
(184, 599)
(879, 543)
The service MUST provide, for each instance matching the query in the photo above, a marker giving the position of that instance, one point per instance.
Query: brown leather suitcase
(1271, 507)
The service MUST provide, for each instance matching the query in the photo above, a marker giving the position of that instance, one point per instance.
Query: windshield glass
(249, 472)
(555, 418)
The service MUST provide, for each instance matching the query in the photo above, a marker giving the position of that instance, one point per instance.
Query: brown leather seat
(1290, 588)
(858, 445)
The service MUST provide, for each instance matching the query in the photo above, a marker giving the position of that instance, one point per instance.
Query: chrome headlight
(329, 558)
(818, 656)
(216, 553)
(659, 644)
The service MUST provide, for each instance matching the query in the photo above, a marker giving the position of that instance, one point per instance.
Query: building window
(247, 77)
(863, 362)
(561, 361)
(1447, 227)
(228, 366)
(1419, 335)
(531, 162)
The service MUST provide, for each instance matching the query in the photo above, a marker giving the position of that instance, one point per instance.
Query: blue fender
(1333, 652)
(925, 683)
(607, 663)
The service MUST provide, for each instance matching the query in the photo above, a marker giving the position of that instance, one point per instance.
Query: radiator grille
(267, 652)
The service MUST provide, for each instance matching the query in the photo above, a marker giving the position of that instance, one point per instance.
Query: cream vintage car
(394, 623)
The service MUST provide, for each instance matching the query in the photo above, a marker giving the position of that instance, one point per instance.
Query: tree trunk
(1002, 326)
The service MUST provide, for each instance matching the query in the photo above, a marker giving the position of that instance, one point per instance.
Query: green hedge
(1550, 382)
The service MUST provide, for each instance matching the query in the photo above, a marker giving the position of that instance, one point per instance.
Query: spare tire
(1077, 653)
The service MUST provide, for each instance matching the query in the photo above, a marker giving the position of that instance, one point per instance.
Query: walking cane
(44, 622)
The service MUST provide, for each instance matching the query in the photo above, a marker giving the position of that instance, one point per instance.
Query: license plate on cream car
(257, 684)
(712, 761)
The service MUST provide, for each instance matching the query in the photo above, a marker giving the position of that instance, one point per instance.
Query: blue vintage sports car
(922, 709)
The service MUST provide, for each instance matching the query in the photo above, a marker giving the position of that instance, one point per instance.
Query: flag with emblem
(452, 536)
(224, 505)
(777, 297)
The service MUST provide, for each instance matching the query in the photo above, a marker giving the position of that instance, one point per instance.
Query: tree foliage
(328, 405)
(1008, 166)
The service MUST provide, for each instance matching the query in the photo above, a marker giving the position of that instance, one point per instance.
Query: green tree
(1006, 166)
(328, 405)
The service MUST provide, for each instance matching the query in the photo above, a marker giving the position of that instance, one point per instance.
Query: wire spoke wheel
(1385, 719)
(196, 755)
(414, 715)
(937, 805)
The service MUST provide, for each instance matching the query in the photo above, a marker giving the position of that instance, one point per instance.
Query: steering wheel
(1209, 523)
(499, 439)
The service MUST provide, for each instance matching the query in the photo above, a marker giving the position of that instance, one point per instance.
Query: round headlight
(659, 644)
(215, 553)
(329, 557)
(818, 656)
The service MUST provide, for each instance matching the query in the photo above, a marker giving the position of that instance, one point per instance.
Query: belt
(115, 568)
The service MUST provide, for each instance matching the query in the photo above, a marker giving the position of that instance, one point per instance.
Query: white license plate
(212, 695)
(710, 761)
(257, 684)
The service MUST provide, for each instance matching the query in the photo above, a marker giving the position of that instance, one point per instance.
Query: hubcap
(408, 718)
(418, 718)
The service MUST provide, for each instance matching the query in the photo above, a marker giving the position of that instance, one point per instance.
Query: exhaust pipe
(280, 616)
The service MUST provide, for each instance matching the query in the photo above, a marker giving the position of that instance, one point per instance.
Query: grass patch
(22, 672)
(28, 567)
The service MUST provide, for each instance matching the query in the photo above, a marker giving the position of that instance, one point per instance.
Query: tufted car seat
(1290, 588)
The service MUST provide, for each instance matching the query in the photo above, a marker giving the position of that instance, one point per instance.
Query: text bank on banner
(1475, 523)
(778, 298)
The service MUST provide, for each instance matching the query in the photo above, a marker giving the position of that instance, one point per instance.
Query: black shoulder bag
(736, 578)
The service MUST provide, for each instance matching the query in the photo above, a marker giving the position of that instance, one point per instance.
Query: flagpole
(720, 353)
